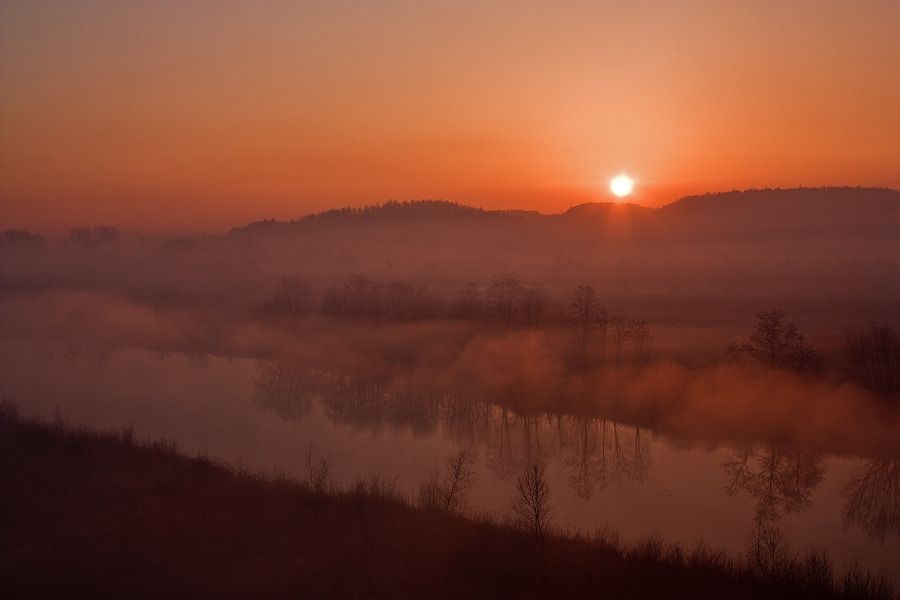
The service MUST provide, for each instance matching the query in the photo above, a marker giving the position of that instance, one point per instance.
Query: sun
(621, 185)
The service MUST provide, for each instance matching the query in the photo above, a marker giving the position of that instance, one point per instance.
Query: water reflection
(873, 498)
(603, 452)
(605, 473)
(595, 452)
(282, 390)
(781, 481)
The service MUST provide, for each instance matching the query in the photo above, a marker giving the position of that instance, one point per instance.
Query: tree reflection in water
(282, 389)
(873, 498)
(781, 481)
(599, 456)
(594, 451)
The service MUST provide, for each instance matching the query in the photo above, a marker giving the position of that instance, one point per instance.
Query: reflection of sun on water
(621, 185)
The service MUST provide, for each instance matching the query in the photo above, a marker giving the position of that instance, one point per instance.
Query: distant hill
(802, 211)
(415, 211)
(757, 213)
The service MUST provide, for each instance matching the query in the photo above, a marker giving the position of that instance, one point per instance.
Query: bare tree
(779, 344)
(768, 552)
(532, 503)
(449, 494)
(458, 478)
(585, 311)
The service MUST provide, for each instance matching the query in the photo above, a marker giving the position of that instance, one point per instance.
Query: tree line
(506, 301)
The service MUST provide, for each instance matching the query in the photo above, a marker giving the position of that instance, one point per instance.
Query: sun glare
(621, 185)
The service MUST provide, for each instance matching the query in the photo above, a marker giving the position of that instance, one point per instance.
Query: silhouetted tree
(532, 503)
(779, 344)
(448, 494)
(874, 359)
(767, 550)
(585, 312)
(458, 479)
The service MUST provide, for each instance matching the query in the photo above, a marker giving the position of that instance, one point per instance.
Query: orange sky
(178, 117)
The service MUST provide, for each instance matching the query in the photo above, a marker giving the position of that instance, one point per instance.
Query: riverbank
(89, 514)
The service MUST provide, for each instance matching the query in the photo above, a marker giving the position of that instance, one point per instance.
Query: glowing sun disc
(621, 185)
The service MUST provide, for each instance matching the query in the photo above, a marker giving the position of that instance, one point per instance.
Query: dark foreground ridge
(86, 514)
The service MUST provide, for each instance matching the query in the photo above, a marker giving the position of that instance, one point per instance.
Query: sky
(197, 116)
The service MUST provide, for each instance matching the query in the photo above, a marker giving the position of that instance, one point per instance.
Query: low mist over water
(268, 416)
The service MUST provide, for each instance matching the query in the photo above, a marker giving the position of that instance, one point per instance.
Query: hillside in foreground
(96, 515)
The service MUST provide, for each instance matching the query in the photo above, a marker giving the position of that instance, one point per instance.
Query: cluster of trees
(448, 493)
(397, 301)
(93, 237)
(778, 344)
(871, 357)
(506, 301)
(594, 322)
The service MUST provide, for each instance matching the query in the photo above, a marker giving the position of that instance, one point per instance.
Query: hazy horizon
(63, 230)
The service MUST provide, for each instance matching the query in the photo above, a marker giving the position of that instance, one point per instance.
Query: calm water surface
(263, 416)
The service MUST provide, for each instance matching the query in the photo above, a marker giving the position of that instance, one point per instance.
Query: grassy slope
(87, 514)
